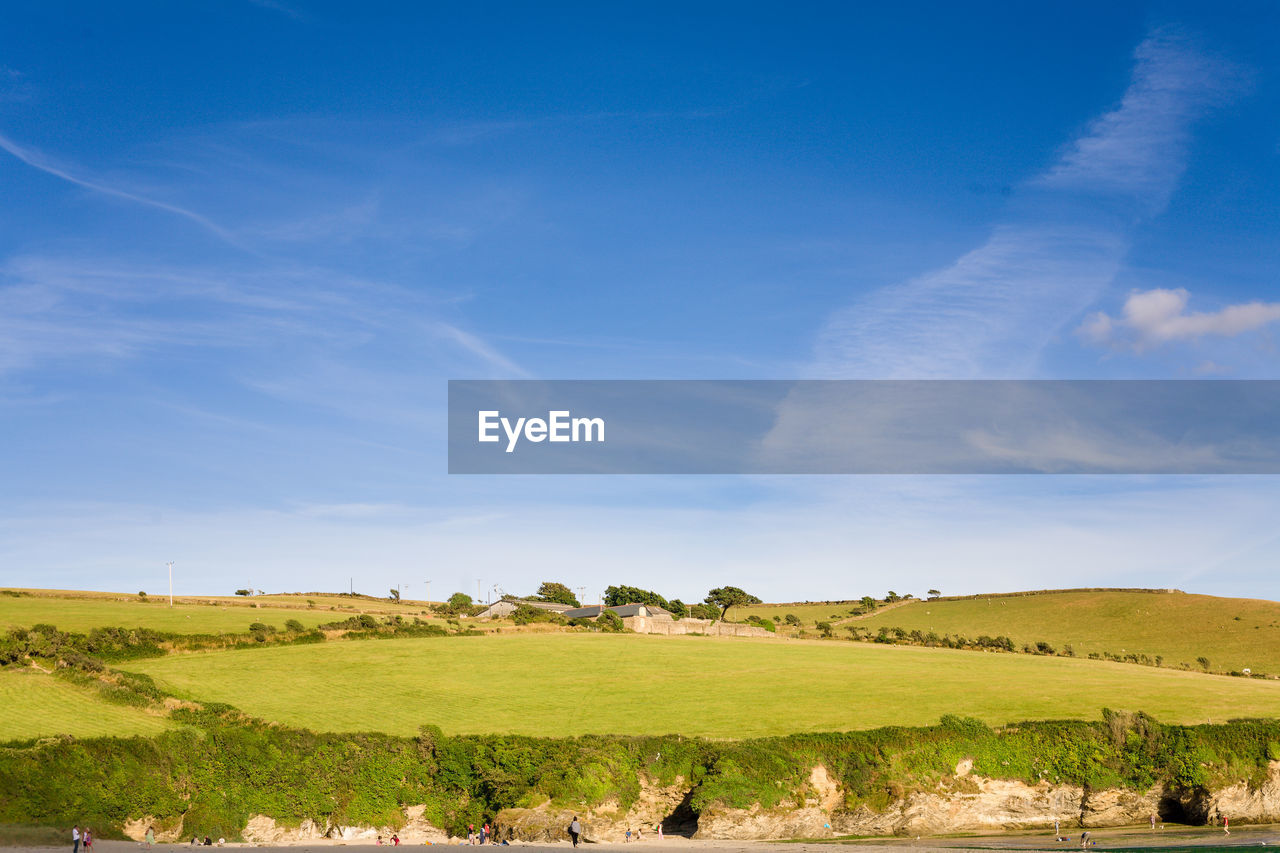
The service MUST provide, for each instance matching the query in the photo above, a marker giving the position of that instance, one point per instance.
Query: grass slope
(80, 613)
(33, 704)
(561, 685)
(1177, 626)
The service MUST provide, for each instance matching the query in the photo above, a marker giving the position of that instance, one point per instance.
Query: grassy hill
(556, 685)
(1233, 633)
(82, 612)
(33, 704)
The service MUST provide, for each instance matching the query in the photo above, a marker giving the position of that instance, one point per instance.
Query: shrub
(610, 623)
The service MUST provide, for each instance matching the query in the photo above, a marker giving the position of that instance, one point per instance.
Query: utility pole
(170, 564)
(428, 593)
(582, 592)
(478, 594)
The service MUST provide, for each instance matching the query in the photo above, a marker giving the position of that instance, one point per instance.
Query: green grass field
(80, 613)
(554, 685)
(806, 613)
(33, 704)
(1233, 633)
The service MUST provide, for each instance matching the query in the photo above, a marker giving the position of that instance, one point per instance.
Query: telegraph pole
(428, 593)
(170, 564)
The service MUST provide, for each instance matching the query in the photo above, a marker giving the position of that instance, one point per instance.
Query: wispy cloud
(1154, 317)
(480, 348)
(992, 311)
(64, 310)
(38, 160)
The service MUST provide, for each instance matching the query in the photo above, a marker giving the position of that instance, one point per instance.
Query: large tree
(557, 592)
(616, 596)
(725, 597)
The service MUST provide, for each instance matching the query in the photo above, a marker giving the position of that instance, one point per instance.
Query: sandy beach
(1124, 838)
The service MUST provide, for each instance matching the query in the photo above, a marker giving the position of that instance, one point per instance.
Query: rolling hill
(570, 684)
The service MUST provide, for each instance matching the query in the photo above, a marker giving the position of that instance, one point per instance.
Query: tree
(725, 597)
(892, 597)
(616, 596)
(678, 609)
(868, 602)
(459, 601)
(395, 594)
(935, 593)
(557, 592)
(244, 592)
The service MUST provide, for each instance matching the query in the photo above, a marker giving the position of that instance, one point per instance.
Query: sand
(1203, 839)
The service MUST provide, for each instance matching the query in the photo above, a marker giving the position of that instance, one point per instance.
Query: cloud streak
(990, 313)
(37, 160)
(66, 310)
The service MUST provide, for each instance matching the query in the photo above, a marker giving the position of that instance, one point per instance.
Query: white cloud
(1151, 318)
(1139, 148)
(990, 313)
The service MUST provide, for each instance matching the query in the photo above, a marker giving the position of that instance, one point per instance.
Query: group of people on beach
(78, 838)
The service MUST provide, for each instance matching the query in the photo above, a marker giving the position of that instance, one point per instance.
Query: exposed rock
(811, 818)
(166, 830)
(1244, 804)
(415, 830)
(1116, 807)
(605, 822)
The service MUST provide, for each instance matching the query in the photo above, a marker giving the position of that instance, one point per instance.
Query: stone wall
(669, 626)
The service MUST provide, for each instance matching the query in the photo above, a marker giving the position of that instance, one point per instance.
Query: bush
(610, 623)
(526, 614)
(293, 626)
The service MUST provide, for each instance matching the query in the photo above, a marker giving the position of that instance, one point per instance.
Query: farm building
(507, 606)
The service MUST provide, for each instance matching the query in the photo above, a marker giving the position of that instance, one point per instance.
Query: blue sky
(243, 245)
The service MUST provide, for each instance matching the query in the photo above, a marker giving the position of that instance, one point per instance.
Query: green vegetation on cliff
(221, 768)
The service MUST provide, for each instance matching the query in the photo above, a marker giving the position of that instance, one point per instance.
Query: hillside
(1232, 633)
(33, 704)
(83, 611)
(570, 684)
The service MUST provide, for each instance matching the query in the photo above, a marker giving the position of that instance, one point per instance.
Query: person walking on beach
(1153, 821)
(88, 840)
(75, 839)
(151, 836)
(575, 830)
(1226, 825)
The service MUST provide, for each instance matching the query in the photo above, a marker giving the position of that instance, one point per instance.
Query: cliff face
(977, 804)
(965, 803)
